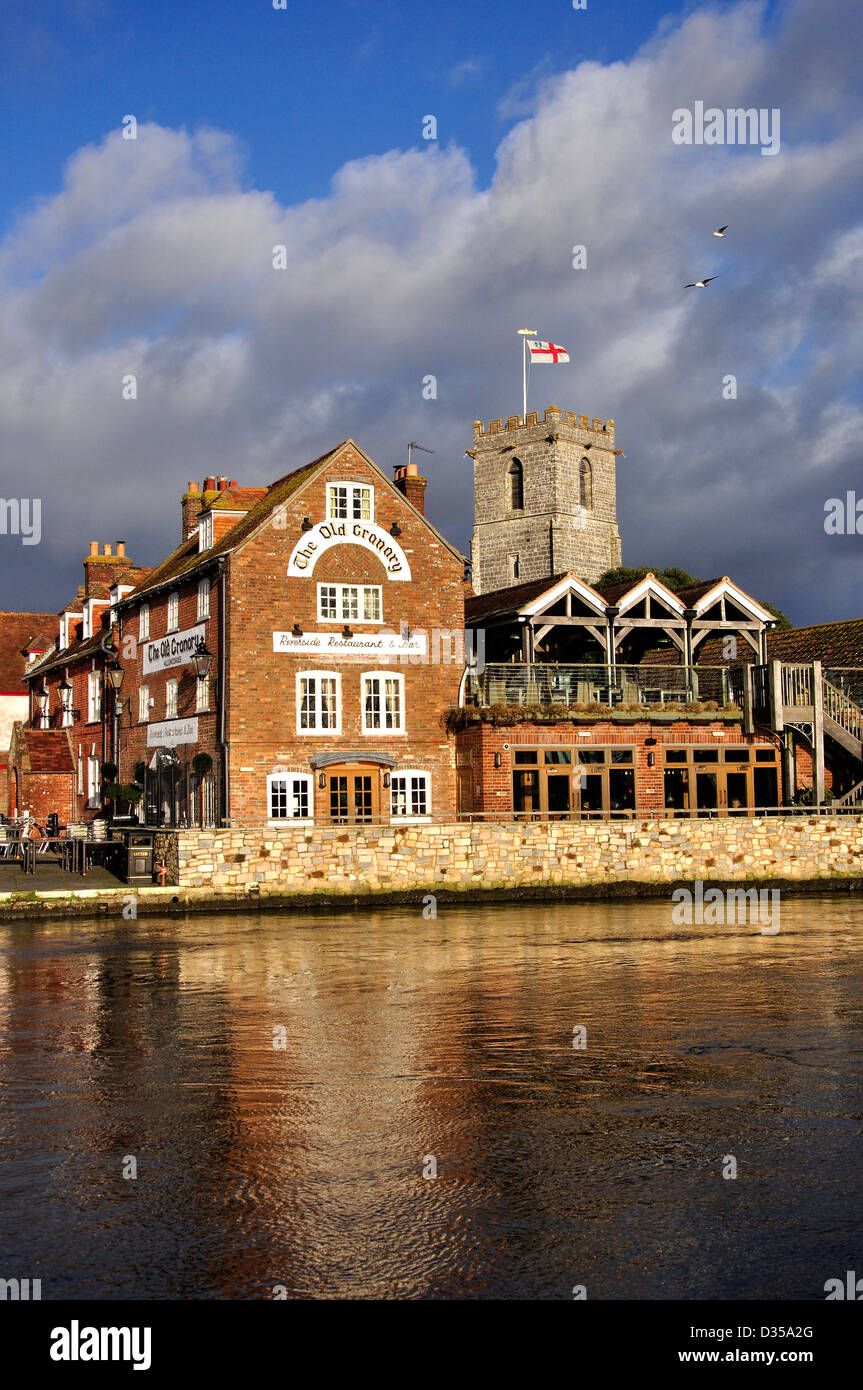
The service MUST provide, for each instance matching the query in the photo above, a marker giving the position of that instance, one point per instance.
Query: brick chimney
(411, 484)
(106, 567)
(191, 504)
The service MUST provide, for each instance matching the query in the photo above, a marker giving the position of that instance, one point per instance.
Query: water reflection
(281, 1080)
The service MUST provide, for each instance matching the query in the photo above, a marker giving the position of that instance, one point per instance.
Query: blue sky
(307, 88)
(409, 257)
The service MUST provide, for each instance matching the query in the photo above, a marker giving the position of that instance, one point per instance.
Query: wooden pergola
(556, 620)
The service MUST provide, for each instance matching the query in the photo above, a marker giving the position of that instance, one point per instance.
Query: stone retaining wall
(353, 860)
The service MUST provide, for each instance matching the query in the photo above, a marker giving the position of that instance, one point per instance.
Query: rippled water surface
(284, 1083)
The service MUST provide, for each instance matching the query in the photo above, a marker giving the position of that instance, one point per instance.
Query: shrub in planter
(202, 763)
(109, 772)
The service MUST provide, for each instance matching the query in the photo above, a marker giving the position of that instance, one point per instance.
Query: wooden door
(353, 794)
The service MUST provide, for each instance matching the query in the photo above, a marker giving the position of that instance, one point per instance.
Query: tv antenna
(413, 445)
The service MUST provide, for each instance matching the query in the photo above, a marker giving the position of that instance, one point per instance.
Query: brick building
(333, 613)
(69, 699)
(299, 658)
(24, 638)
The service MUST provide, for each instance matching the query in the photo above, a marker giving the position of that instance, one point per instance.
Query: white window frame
(353, 498)
(203, 599)
(93, 781)
(144, 622)
(173, 612)
(317, 730)
(382, 676)
(94, 697)
(202, 694)
(143, 704)
(410, 816)
(291, 778)
(205, 532)
(340, 615)
(172, 696)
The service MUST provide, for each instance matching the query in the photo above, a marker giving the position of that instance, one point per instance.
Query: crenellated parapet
(552, 415)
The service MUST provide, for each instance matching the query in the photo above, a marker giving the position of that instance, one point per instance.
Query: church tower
(545, 499)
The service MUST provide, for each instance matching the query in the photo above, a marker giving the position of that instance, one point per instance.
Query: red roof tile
(20, 632)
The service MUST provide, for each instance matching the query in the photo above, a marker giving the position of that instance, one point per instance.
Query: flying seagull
(701, 284)
(722, 230)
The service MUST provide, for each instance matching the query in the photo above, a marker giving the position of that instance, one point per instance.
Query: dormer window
(205, 532)
(350, 502)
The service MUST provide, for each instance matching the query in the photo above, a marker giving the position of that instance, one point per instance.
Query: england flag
(547, 352)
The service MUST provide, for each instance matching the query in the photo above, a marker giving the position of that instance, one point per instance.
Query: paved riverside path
(51, 877)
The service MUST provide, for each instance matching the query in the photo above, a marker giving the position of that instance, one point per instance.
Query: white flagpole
(525, 334)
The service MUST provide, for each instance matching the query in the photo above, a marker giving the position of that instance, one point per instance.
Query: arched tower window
(516, 486)
(585, 484)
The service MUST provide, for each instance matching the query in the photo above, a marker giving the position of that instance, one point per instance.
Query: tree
(676, 578)
(673, 577)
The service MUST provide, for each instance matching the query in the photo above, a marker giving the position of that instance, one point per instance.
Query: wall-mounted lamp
(203, 659)
(395, 529)
(386, 779)
(498, 760)
(296, 630)
(651, 759)
(346, 631)
(40, 699)
(65, 687)
(306, 524)
(322, 780)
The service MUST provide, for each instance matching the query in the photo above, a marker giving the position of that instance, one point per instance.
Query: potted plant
(116, 792)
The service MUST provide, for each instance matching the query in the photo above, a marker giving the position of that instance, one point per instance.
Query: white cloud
(154, 258)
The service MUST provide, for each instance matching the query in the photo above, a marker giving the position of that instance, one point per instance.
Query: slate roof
(69, 655)
(836, 644)
(18, 632)
(236, 499)
(501, 602)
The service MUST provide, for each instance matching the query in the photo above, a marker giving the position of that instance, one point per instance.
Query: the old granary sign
(319, 539)
(174, 650)
(378, 644)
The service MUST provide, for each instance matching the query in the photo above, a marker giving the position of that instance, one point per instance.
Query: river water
(283, 1088)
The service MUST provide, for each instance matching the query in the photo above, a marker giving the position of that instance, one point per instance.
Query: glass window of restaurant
(723, 780)
(562, 783)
